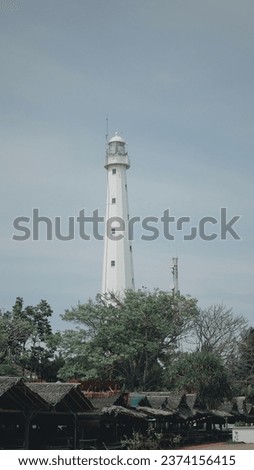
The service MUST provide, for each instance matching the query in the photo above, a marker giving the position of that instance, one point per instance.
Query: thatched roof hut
(16, 395)
(107, 401)
(122, 411)
(220, 414)
(6, 383)
(102, 402)
(174, 399)
(194, 402)
(157, 400)
(62, 396)
(155, 412)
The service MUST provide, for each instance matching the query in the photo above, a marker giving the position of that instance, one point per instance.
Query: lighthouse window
(130, 248)
(113, 200)
(114, 171)
(113, 231)
(113, 263)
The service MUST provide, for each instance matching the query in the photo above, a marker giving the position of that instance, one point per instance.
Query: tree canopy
(216, 329)
(27, 342)
(203, 373)
(244, 366)
(137, 341)
(125, 339)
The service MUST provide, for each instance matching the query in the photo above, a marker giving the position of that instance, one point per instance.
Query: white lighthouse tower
(117, 263)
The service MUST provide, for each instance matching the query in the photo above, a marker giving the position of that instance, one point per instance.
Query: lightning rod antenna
(175, 275)
(106, 135)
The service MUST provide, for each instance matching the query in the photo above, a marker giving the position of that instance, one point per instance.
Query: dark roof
(175, 399)
(228, 407)
(191, 399)
(220, 413)
(53, 393)
(157, 394)
(6, 383)
(237, 407)
(16, 395)
(185, 412)
(101, 402)
(62, 396)
(157, 399)
(158, 402)
(155, 412)
(171, 400)
(122, 411)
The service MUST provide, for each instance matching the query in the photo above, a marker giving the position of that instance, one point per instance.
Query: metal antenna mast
(106, 135)
(175, 275)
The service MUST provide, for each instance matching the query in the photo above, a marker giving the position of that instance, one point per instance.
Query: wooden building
(18, 406)
(61, 416)
(68, 423)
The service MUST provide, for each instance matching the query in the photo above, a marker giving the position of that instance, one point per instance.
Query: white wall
(243, 434)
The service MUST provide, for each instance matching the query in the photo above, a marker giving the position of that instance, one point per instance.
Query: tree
(244, 367)
(27, 342)
(6, 365)
(203, 373)
(216, 329)
(125, 339)
(37, 352)
(15, 330)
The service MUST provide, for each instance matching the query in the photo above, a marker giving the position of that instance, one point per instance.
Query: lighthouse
(117, 263)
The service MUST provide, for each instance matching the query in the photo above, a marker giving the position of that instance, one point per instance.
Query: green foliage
(15, 330)
(244, 367)
(127, 339)
(27, 343)
(203, 373)
(151, 440)
(139, 441)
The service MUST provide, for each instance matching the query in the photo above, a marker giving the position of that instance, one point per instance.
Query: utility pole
(174, 266)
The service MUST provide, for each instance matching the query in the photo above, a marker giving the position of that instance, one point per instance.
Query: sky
(175, 78)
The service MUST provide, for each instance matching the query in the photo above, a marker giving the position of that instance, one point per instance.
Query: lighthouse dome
(117, 138)
(116, 145)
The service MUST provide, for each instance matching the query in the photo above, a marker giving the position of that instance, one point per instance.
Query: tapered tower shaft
(117, 264)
